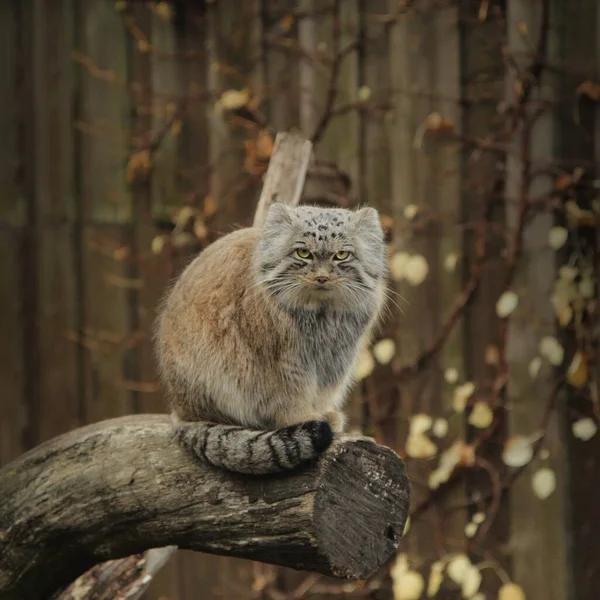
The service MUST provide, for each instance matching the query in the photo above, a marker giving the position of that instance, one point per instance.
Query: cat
(258, 338)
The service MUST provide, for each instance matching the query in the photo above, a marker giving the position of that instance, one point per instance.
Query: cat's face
(310, 256)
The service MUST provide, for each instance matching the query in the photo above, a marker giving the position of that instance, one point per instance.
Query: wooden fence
(110, 125)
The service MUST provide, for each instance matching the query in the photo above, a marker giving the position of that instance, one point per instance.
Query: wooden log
(119, 487)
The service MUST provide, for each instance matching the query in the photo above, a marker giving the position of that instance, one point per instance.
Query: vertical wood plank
(580, 33)
(483, 89)
(11, 224)
(234, 52)
(539, 542)
(414, 181)
(106, 208)
(53, 95)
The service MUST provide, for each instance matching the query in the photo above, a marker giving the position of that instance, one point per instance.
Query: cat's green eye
(303, 253)
(342, 255)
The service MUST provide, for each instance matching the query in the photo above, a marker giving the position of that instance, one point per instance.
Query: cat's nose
(321, 279)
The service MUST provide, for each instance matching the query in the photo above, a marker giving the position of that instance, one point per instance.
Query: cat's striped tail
(250, 451)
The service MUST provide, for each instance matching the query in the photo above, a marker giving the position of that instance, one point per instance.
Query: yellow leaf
(420, 446)
(139, 161)
(164, 11)
(589, 89)
(364, 93)
(543, 483)
(584, 429)
(416, 270)
(436, 577)
(210, 206)
(511, 591)
(577, 374)
(384, 351)
(481, 416)
(461, 396)
(158, 243)
(233, 99)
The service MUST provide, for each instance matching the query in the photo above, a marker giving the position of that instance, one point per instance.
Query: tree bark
(119, 487)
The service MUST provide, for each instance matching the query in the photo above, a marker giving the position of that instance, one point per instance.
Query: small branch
(119, 487)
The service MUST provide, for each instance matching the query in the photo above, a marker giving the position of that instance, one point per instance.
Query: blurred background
(135, 133)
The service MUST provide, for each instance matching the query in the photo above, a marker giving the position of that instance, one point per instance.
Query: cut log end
(361, 507)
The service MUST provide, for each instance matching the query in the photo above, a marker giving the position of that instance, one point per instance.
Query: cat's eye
(341, 255)
(303, 253)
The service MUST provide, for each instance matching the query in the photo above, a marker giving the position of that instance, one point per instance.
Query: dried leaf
(584, 429)
(471, 582)
(200, 230)
(409, 587)
(384, 351)
(492, 355)
(517, 451)
(478, 518)
(470, 529)
(420, 446)
(543, 483)
(557, 237)
(210, 206)
(364, 93)
(586, 287)
(481, 416)
(589, 89)
(184, 215)
(419, 424)
(411, 211)
(450, 262)
(138, 161)
(511, 591)
(506, 304)
(158, 243)
(577, 373)
(416, 270)
(451, 375)
(164, 11)
(462, 393)
(563, 181)
(440, 428)
(458, 567)
(534, 367)
(551, 349)
(436, 577)
(232, 100)
(398, 264)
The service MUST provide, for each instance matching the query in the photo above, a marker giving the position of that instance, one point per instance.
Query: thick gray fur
(257, 345)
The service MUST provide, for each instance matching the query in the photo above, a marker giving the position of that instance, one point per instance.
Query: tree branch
(119, 487)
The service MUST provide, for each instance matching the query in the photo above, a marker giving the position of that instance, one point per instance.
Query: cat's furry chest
(328, 341)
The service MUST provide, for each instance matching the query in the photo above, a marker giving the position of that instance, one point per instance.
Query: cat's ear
(367, 219)
(278, 215)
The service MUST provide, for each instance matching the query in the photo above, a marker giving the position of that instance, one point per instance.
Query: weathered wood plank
(54, 197)
(12, 220)
(538, 539)
(106, 208)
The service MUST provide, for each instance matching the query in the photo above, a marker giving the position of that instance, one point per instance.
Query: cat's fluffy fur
(257, 345)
